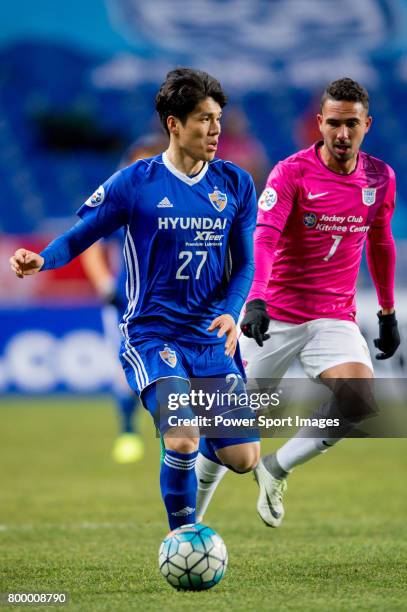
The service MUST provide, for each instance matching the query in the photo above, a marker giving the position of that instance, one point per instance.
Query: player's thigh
(349, 369)
(333, 343)
(273, 359)
(174, 418)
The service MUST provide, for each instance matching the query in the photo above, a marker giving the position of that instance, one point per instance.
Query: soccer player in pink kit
(318, 209)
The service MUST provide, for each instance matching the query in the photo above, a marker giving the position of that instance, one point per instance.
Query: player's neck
(330, 162)
(183, 162)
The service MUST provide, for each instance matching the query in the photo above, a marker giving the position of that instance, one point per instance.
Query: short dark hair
(182, 90)
(346, 89)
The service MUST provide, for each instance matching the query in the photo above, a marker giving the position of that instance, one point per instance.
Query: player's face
(343, 126)
(198, 136)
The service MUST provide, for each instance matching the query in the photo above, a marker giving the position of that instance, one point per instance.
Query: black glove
(389, 337)
(256, 321)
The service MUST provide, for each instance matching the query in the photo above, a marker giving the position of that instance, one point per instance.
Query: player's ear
(319, 121)
(172, 125)
(368, 123)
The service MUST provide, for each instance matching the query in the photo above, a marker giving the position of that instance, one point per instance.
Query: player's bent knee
(181, 443)
(241, 458)
(354, 398)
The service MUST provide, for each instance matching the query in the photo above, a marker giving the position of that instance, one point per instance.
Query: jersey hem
(287, 318)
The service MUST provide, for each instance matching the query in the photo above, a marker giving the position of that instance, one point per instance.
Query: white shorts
(318, 344)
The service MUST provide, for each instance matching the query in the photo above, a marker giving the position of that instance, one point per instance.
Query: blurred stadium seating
(64, 123)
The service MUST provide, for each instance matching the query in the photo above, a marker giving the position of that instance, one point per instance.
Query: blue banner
(54, 349)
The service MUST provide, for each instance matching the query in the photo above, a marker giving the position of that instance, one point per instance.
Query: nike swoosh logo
(273, 512)
(312, 196)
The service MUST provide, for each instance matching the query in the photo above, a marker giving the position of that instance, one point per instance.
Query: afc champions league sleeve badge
(369, 195)
(268, 199)
(97, 198)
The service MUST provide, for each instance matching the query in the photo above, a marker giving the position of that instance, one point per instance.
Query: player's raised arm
(58, 253)
(103, 213)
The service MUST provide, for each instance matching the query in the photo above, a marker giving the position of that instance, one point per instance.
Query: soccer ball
(193, 557)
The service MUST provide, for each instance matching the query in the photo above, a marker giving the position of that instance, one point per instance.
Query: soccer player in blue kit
(186, 214)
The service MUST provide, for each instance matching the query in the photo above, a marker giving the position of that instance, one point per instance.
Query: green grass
(71, 520)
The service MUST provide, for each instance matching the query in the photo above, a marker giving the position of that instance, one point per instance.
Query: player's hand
(226, 325)
(256, 321)
(389, 337)
(25, 263)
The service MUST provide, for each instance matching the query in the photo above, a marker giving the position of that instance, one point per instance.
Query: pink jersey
(312, 225)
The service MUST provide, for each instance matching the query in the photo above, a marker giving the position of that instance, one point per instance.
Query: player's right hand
(25, 263)
(256, 321)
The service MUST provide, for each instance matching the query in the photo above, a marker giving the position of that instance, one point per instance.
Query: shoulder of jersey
(141, 168)
(374, 164)
(225, 165)
(299, 156)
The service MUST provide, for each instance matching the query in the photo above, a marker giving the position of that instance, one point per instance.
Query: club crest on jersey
(168, 356)
(369, 195)
(268, 198)
(97, 198)
(310, 219)
(218, 200)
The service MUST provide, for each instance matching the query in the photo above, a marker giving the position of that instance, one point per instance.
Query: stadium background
(77, 87)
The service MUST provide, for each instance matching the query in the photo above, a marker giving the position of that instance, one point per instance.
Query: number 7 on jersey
(335, 245)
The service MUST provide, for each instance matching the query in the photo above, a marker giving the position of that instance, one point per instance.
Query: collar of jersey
(189, 180)
(317, 146)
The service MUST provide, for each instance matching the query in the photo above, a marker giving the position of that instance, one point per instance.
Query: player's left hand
(389, 337)
(226, 325)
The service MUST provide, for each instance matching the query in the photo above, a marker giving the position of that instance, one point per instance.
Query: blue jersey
(178, 233)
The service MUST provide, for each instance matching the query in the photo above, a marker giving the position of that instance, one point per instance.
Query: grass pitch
(73, 521)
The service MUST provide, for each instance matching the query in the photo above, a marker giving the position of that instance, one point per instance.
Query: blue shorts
(151, 358)
(181, 367)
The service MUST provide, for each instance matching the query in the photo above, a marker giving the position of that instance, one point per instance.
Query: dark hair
(346, 89)
(182, 90)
